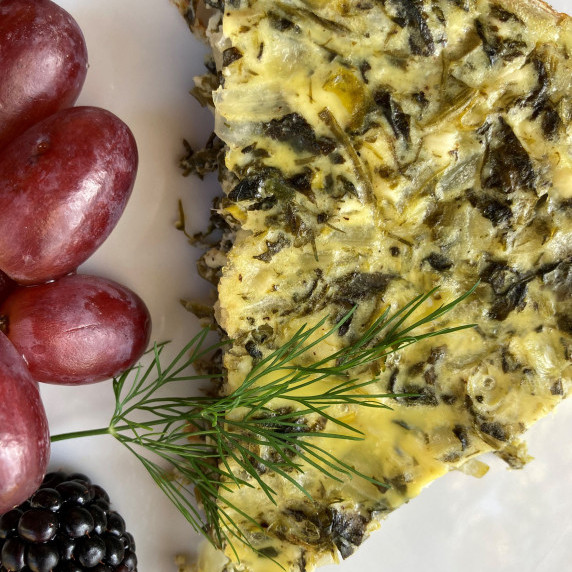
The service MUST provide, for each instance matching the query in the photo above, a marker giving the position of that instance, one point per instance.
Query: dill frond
(198, 449)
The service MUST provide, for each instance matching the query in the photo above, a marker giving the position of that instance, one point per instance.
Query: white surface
(142, 60)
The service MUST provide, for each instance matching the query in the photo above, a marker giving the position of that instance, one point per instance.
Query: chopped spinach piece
(495, 430)
(204, 161)
(266, 204)
(409, 14)
(230, 55)
(273, 247)
(302, 182)
(496, 47)
(248, 189)
(539, 99)
(393, 113)
(494, 209)
(503, 14)
(463, 435)
(506, 166)
(295, 224)
(499, 275)
(253, 350)
(347, 530)
(267, 182)
(514, 298)
(557, 388)
(344, 187)
(269, 551)
(509, 362)
(294, 130)
(424, 395)
(281, 23)
(550, 122)
(564, 322)
(357, 286)
(439, 262)
(364, 68)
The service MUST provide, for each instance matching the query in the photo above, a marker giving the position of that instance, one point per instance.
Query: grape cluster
(66, 526)
(66, 174)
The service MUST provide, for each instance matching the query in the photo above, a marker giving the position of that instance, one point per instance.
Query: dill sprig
(199, 449)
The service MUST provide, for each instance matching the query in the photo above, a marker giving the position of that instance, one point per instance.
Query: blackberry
(66, 526)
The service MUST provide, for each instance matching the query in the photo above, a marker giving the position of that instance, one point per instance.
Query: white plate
(142, 61)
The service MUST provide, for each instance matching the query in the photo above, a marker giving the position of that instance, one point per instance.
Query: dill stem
(114, 431)
(111, 430)
(75, 434)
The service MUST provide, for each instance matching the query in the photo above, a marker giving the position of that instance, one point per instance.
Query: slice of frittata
(375, 149)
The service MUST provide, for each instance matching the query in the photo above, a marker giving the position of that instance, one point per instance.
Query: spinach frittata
(375, 149)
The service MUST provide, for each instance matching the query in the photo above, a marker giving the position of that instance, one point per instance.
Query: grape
(43, 63)
(64, 184)
(24, 436)
(78, 329)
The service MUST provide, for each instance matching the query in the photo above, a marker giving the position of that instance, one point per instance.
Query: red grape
(24, 435)
(78, 329)
(64, 184)
(43, 63)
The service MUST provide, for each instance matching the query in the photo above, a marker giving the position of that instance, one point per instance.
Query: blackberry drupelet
(66, 526)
